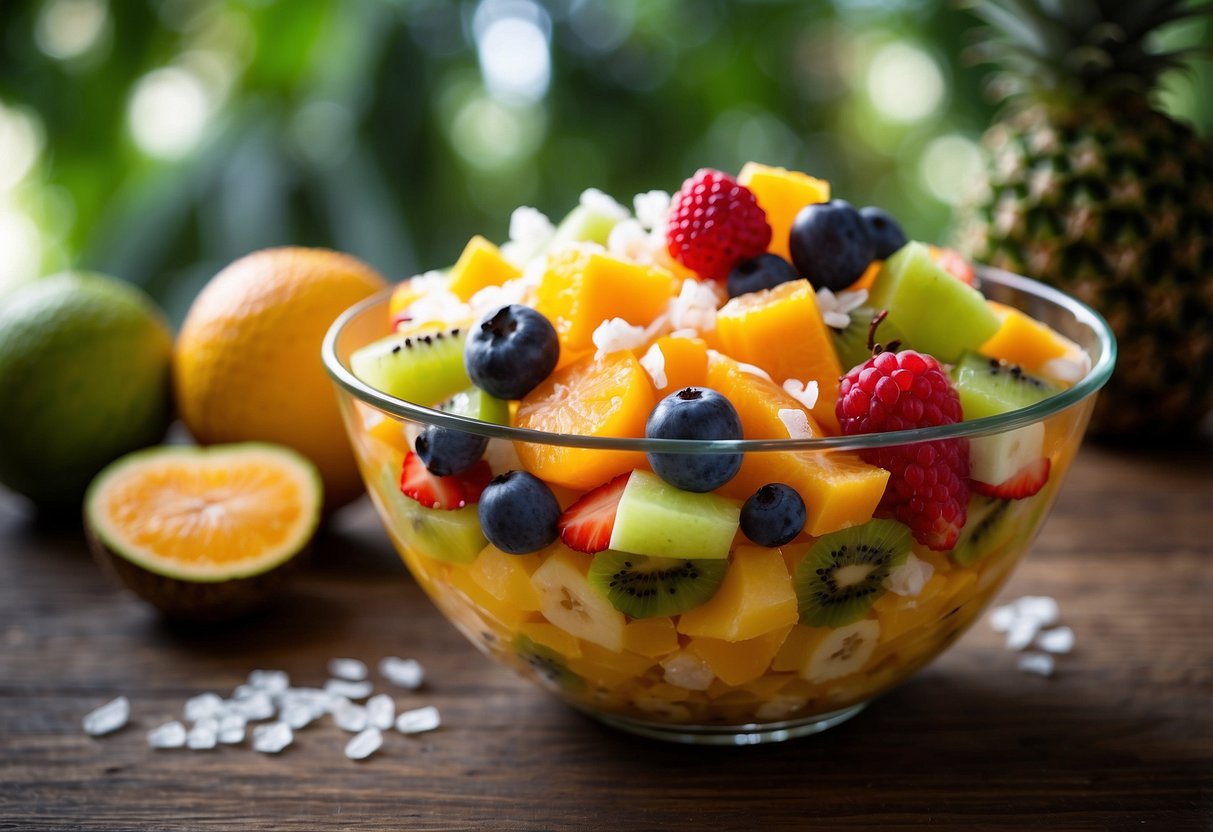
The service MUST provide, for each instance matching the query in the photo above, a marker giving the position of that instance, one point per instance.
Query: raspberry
(928, 486)
(714, 224)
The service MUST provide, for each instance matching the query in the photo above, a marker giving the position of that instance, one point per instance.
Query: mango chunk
(739, 662)
(781, 193)
(755, 598)
(481, 264)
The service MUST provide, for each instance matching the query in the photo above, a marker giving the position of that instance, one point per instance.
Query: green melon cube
(655, 518)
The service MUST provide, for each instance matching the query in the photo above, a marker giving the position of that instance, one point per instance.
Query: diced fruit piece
(590, 222)
(445, 451)
(477, 404)
(402, 298)
(259, 504)
(919, 295)
(781, 331)
(757, 400)
(501, 617)
(996, 458)
(568, 601)
(885, 231)
(518, 513)
(773, 515)
(990, 525)
(988, 386)
(382, 429)
(739, 662)
(609, 668)
(607, 395)
(899, 616)
(1023, 340)
(781, 193)
(583, 287)
(450, 492)
(844, 572)
(510, 351)
(552, 637)
(657, 519)
(480, 265)
(437, 533)
(507, 577)
(714, 224)
(755, 598)
(851, 343)
(652, 637)
(586, 525)
(843, 652)
(766, 271)
(644, 587)
(954, 264)
(697, 413)
(799, 644)
(685, 363)
(830, 244)
(547, 663)
(1024, 483)
(421, 367)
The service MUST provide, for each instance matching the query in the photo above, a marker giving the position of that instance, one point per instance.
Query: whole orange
(247, 361)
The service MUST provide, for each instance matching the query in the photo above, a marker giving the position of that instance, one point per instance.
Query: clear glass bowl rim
(1098, 375)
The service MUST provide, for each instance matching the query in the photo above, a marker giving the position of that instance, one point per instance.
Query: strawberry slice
(447, 493)
(586, 525)
(952, 262)
(1024, 483)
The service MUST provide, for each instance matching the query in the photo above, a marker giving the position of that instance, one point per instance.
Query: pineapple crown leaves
(1065, 48)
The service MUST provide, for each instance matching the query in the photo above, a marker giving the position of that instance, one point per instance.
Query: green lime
(84, 378)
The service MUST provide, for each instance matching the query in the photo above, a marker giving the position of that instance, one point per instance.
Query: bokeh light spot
(490, 135)
(67, 29)
(948, 167)
(20, 145)
(904, 83)
(167, 113)
(512, 45)
(21, 243)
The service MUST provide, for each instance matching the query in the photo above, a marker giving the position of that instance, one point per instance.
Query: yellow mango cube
(552, 637)
(507, 577)
(652, 637)
(755, 598)
(1023, 340)
(481, 264)
(781, 193)
(739, 662)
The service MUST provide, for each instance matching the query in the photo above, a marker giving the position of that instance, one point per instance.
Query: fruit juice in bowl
(722, 471)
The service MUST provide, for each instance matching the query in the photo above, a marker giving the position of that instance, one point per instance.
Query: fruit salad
(696, 582)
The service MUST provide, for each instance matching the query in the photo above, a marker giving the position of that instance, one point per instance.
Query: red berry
(715, 223)
(447, 493)
(1026, 481)
(587, 524)
(928, 486)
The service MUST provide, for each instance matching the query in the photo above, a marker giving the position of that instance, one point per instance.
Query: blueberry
(830, 244)
(445, 451)
(694, 413)
(885, 231)
(509, 351)
(766, 271)
(518, 513)
(773, 515)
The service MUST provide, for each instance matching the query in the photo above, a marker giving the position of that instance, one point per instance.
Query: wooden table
(1120, 738)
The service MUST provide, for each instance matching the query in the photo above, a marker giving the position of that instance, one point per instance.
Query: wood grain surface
(1121, 738)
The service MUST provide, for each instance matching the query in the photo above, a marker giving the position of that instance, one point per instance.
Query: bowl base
(748, 734)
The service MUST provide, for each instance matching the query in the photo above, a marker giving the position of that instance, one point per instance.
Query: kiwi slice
(989, 386)
(453, 536)
(645, 587)
(586, 223)
(851, 343)
(477, 404)
(990, 524)
(844, 572)
(547, 663)
(422, 367)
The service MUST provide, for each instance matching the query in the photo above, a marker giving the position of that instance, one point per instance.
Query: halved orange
(198, 531)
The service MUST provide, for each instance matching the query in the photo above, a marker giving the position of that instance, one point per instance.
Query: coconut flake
(652, 208)
(602, 204)
(694, 307)
(1040, 664)
(797, 423)
(418, 720)
(202, 706)
(836, 309)
(438, 305)
(629, 241)
(617, 334)
(530, 230)
(169, 735)
(1023, 631)
(204, 735)
(351, 670)
(269, 681)
(272, 737)
(779, 707)
(685, 333)
(349, 717)
(1002, 619)
(909, 578)
(405, 673)
(1042, 609)
(754, 371)
(350, 690)
(108, 718)
(1056, 640)
(381, 711)
(1068, 369)
(804, 392)
(653, 362)
(688, 671)
(364, 744)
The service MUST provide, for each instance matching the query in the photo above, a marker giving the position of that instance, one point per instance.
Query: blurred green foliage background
(158, 140)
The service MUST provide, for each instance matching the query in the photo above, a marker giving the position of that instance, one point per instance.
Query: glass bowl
(753, 673)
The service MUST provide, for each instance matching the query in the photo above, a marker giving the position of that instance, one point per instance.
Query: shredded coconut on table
(804, 392)
(364, 744)
(403, 673)
(351, 670)
(418, 720)
(1030, 622)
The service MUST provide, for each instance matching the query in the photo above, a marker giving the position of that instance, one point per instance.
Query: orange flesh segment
(609, 395)
(582, 288)
(781, 193)
(202, 510)
(481, 264)
(781, 331)
(757, 400)
(686, 363)
(1025, 341)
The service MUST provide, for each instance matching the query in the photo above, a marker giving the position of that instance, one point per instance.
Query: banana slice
(843, 652)
(567, 600)
(995, 459)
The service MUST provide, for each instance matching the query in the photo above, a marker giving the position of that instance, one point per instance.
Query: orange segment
(583, 287)
(757, 400)
(739, 662)
(609, 395)
(781, 331)
(1026, 341)
(480, 265)
(686, 362)
(755, 598)
(867, 278)
(206, 514)
(781, 193)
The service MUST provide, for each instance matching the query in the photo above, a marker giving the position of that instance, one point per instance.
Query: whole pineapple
(1092, 189)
